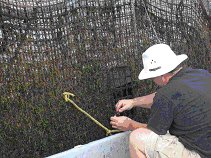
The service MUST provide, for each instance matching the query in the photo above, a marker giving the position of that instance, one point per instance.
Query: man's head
(160, 63)
(164, 79)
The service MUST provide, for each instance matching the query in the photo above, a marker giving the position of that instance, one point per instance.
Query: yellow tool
(67, 99)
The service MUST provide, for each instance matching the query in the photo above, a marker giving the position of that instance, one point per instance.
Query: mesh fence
(91, 48)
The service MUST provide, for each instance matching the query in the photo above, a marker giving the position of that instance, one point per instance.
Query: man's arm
(127, 104)
(144, 101)
(135, 125)
(124, 123)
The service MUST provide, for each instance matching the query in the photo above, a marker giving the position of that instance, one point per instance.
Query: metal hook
(67, 95)
(67, 99)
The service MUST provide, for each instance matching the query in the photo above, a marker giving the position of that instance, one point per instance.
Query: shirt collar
(179, 74)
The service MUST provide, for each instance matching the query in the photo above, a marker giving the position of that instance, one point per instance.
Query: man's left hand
(122, 123)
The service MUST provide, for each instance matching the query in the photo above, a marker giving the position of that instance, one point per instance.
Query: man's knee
(139, 137)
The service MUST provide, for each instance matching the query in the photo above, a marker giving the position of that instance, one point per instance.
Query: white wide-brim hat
(158, 60)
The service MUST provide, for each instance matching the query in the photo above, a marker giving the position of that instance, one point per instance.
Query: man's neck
(174, 73)
(170, 76)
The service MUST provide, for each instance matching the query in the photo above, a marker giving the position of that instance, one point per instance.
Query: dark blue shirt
(183, 107)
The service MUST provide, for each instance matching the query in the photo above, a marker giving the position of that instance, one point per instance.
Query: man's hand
(122, 123)
(125, 104)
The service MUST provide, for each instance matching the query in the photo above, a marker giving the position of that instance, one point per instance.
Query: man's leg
(137, 142)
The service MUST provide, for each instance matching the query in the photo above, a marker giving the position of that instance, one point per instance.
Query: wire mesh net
(91, 48)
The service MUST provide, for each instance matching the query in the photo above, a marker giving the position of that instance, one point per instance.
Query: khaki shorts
(166, 146)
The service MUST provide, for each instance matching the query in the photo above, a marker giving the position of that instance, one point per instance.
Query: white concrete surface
(115, 146)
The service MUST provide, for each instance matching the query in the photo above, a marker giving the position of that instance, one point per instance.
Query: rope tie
(67, 99)
(150, 21)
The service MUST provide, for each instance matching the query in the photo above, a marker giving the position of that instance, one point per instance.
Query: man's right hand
(125, 104)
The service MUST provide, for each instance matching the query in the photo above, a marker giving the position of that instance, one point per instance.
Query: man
(180, 122)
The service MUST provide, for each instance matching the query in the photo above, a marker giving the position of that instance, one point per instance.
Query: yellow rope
(67, 99)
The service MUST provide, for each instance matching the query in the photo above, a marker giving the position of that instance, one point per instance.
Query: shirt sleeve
(161, 116)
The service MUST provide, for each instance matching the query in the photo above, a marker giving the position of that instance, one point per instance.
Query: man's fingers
(121, 110)
(113, 118)
(113, 123)
(113, 126)
(119, 105)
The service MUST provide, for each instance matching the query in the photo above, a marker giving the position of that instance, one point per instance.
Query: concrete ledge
(115, 146)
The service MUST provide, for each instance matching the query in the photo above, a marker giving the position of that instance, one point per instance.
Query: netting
(91, 48)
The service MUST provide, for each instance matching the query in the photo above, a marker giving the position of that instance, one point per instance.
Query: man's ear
(165, 78)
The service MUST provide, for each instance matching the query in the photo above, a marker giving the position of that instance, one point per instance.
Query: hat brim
(146, 74)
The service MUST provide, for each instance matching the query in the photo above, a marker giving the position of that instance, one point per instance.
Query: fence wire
(91, 48)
